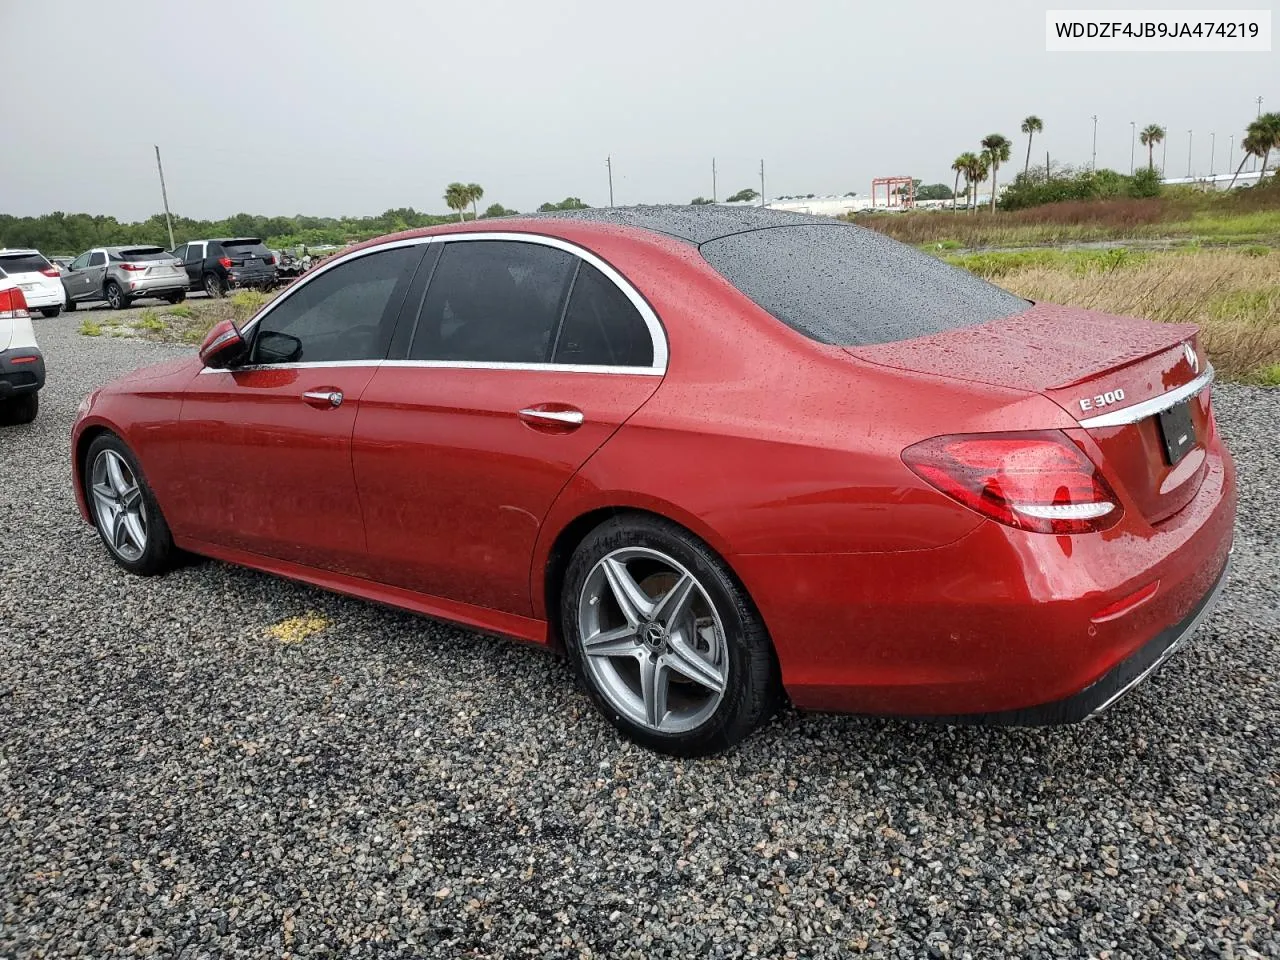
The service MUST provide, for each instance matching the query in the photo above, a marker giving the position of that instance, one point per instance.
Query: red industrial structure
(899, 191)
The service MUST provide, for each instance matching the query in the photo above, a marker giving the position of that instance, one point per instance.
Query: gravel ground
(175, 781)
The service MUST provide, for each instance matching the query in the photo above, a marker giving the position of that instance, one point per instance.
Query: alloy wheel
(118, 505)
(652, 640)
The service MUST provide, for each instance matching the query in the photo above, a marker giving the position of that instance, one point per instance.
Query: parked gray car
(120, 275)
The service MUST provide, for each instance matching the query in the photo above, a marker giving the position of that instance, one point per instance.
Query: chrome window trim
(657, 334)
(1149, 408)
(446, 365)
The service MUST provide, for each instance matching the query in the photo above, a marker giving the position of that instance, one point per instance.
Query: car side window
(97, 258)
(344, 313)
(493, 301)
(180, 252)
(80, 262)
(602, 326)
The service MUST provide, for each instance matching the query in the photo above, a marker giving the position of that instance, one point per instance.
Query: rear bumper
(43, 296)
(156, 286)
(17, 378)
(251, 280)
(1001, 626)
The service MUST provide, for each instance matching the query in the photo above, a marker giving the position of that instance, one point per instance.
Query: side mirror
(223, 346)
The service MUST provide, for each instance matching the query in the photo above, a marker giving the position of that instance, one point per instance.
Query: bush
(1144, 183)
(1034, 188)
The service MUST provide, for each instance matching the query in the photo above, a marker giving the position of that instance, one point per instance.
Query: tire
(115, 296)
(19, 410)
(129, 493)
(177, 297)
(71, 305)
(50, 312)
(652, 650)
(213, 285)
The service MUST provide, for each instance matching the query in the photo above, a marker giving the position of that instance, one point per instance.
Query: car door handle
(568, 419)
(323, 398)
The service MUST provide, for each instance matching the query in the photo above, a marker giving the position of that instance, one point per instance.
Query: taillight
(132, 267)
(13, 305)
(271, 261)
(226, 262)
(1038, 481)
(51, 271)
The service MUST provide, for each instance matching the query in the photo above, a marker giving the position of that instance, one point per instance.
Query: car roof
(130, 246)
(696, 224)
(4, 250)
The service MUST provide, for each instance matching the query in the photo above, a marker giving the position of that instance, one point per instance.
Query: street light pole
(762, 183)
(1189, 135)
(1133, 139)
(1164, 157)
(608, 162)
(1094, 164)
(713, 179)
(1213, 149)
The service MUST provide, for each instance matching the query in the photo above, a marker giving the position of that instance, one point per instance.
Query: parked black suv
(216, 266)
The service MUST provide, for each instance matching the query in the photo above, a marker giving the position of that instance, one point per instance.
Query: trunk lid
(1138, 389)
(152, 262)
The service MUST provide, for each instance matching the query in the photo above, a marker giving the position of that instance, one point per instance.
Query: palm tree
(958, 165)
(1031, 126)
(995, 147)
(457, 196)
(1151, 134)
(1267, 130)
(474, 193)
(975, 171)
(1254, 144)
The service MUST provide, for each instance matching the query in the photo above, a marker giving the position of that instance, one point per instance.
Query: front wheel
(115, 296)
(124, 509)
(667, 643)
(19, 410)
(50, 312)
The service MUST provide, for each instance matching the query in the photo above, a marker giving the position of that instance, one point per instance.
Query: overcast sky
(333, 107)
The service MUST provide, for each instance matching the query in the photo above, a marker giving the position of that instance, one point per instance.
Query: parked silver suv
(120, 275)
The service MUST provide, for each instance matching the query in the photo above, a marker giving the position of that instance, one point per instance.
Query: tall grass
(1237, 217)
(1234, 296)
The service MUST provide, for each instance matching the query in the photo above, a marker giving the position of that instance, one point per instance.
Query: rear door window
(850, 286)
(602, 327)
(13, 263)
(493, 301)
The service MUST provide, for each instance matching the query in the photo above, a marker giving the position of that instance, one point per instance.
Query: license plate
(1177, 431)
(252, 262)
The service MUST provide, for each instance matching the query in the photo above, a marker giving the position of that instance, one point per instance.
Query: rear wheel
(124, 509)
(50, 311)
(115, 296)
(18, 410)
(668, 645)
(213, 285)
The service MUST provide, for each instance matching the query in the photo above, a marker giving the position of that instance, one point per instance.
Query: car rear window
(145, 253)
(246, 248)
(23, 262)
(849, 286)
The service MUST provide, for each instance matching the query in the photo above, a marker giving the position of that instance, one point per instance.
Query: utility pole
(762, 183)
(164, 195)
(1133, 139)
(608, 162)
(1213, 149)
(1046, 166)
(713, 179)
(1094, 164)
(1188, 154)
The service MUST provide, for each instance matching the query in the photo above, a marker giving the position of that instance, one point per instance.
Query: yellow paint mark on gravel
(297, 629)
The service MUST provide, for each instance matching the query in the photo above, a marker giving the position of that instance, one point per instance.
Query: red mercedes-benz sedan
(713, 454)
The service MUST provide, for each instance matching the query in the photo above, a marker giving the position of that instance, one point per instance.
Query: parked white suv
(39, 279)
(21, 362)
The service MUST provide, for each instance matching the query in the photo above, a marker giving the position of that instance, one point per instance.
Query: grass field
(1241, 217)
(1233, 294)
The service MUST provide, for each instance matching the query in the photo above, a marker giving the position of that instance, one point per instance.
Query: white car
(21, 362)
(40, 280)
